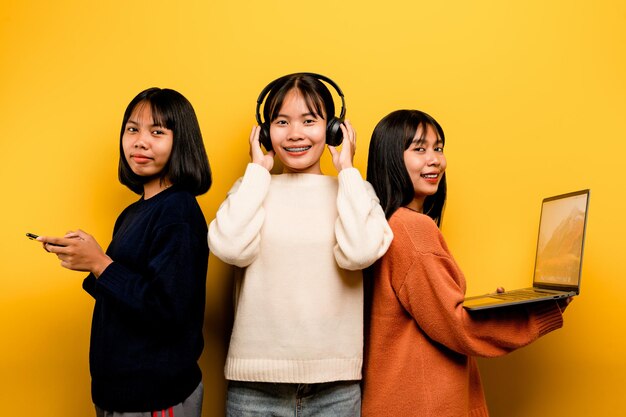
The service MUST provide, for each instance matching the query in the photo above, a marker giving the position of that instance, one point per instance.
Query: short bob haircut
(386, 170)
(188, 166)
(318, 98)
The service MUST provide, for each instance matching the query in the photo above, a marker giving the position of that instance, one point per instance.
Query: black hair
(318, 98)
(188, 166)
(386, 170)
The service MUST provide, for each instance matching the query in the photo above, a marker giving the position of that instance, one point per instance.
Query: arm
(433, 289)
(164, 289)
(78, 251)
(234, 234)
(362, 232)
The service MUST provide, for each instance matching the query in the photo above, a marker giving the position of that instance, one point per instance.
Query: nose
(295, 131)
(434, 158)
(141, 141)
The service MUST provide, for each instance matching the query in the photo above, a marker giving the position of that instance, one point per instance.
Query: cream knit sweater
(302, 240)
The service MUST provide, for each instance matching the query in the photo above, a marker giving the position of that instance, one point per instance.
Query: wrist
(262, 164)
(346, 166)
(101, 266)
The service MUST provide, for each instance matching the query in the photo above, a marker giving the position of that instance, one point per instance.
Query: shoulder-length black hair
(386, 170)
(318, 98)
(188, 166)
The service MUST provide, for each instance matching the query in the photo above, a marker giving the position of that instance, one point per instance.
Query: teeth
(301, 149)
(429, 175)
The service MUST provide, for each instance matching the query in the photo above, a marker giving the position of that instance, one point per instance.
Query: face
(425, 164)
(147, 147)
(298, 136)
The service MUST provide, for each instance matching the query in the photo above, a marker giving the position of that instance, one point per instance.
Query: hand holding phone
(77, 251)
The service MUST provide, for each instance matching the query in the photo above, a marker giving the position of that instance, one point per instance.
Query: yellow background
(531, 94)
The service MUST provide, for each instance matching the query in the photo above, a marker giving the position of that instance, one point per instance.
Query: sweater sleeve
(362, 232)
(166, 289)
(234, 234)
(432, 290)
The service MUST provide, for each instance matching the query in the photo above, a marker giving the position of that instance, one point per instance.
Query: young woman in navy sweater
(149, 286)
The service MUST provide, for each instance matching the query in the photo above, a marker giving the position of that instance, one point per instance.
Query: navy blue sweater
(146, 333)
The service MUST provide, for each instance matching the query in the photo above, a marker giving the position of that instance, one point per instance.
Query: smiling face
(425, 163)
(298, 135)
(147, 147)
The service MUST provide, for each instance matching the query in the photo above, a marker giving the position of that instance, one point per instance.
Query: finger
(348, 136)
(53, 241)
(256, 153)
(56, 249)
(344, 130)
(350, 130)
(82, 234)
(332, 150)
(254, 134)
(348, 145)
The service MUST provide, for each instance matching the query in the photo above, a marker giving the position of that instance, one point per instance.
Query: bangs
(412, 126)
(316, 96)
(314, 103)
(159, 117)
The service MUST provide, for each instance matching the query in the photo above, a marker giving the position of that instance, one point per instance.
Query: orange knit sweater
(419, 338)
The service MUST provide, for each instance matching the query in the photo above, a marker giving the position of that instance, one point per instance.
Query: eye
(309, 121)
(419, 149)
(280, 122)
(439, 149)
(158, 132)
(131, 129)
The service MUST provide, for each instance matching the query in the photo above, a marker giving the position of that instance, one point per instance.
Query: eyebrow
(152, 125)
(421, 141)
(309, 114)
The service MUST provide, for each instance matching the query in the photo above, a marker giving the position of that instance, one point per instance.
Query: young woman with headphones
(301, 239)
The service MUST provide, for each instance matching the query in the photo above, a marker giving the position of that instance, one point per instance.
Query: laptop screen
(561, 239)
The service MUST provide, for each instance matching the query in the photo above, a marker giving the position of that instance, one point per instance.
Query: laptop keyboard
(525, 294)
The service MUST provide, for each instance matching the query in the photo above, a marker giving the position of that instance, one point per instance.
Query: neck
(317, 171)
(416, 205)
(155, 186)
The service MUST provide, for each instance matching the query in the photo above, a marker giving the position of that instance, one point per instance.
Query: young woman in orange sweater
(420, 341)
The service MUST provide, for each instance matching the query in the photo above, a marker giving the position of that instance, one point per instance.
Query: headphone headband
(320, 77)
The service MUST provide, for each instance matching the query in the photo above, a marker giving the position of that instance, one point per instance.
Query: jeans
(328, 399)
(190, 407)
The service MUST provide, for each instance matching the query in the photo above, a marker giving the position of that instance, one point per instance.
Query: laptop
(558, 261)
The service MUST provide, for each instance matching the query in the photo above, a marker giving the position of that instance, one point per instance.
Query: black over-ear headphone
(334, 136)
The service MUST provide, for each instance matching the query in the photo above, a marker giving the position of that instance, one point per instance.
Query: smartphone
(33, 236)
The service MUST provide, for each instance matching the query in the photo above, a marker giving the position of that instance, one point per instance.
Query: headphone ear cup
(264, 137)
(334, 135)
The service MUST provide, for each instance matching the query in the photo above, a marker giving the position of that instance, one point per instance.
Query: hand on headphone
(266, 160)
(344, 158)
